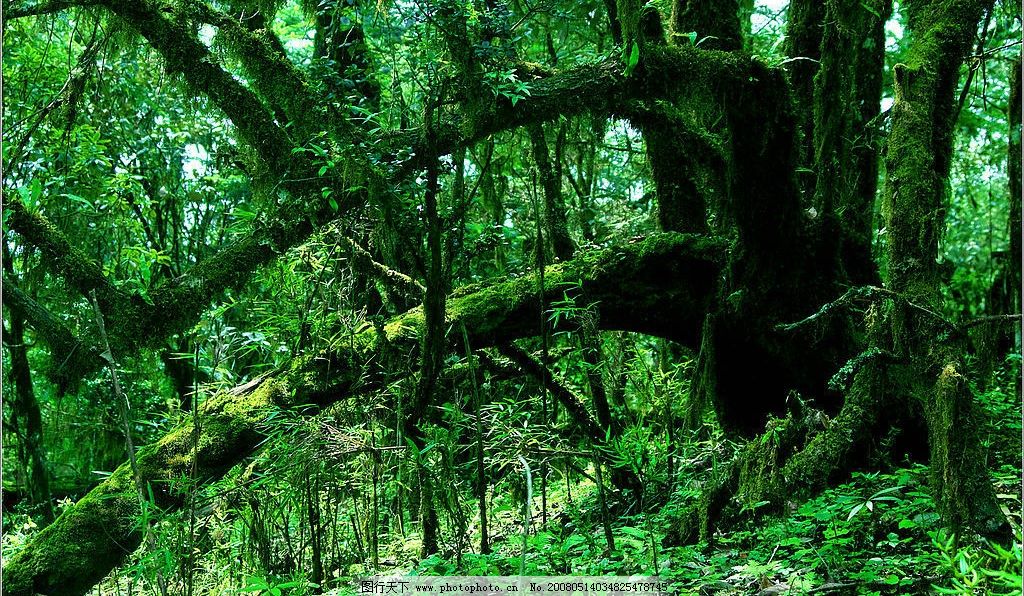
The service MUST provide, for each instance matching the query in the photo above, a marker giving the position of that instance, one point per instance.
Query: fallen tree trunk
(629, 283)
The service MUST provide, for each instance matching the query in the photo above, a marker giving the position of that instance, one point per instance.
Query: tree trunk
(93, 536)
(25, 410)
(917, 162)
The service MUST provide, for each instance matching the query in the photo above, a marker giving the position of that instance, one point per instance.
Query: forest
(722, 292)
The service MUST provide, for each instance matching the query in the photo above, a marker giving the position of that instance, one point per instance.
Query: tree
(765, 178)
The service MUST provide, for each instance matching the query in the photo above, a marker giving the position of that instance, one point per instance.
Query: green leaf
(634, 58)
(865, 6)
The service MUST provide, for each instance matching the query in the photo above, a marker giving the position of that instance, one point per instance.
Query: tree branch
(64, 259)
(92, 537)
(72, 357)
(43, 8)
(185, 54)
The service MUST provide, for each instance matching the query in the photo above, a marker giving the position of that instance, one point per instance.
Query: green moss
(74, 552)
(93, 536)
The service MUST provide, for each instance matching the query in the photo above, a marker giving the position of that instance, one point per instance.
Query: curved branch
(92, 537)
(185, 54)
(72, 356)
(66, 260)
(599, 88)
(43, 8)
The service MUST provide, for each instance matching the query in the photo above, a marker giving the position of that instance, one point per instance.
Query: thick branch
(63, 258)
(185, 54)
(43, 8)
(364, 262)
(274, 76)
(661, 285)
(599, 88)
(73, 357)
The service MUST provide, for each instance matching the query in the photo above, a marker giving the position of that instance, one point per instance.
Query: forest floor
(877, 533)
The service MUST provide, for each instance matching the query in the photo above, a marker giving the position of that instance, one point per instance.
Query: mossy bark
(432, 352)
(918, 163)
(686, 164)
(795, 457)
(804, 31)
(858, 222)
(556, 226)
(171, 35)
(73, 356)
(660, 285)
(88, 540)
(26, 418)
(776, 270)
(846, 165)
(716, 22)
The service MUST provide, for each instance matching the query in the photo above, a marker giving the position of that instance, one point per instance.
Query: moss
(74, 552)
(962, 490)
(671, 269)
(93, 536)
(718, 21)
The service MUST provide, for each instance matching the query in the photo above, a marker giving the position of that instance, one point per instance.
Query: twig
(122, 402)
(988, 319)
(868, 293)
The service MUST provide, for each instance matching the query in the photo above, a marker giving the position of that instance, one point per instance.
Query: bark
(432, 352)
(185, 54)
(804, 31)
(857, 221)
(629, 283)
(72, 357)
(917, 163)
(717, 23)
(664, 72)
(686, 164)
(88, 540)
(25, 411)
(776, 271)
(847, 95)
(43, 8)
(557, 229)
(61, 257)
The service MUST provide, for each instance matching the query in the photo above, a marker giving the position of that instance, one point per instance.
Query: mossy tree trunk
(629, 282)
(847, 98)
(26, 418)
(432, 352)
(804, 31)
(911, 371)
(918, 160)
